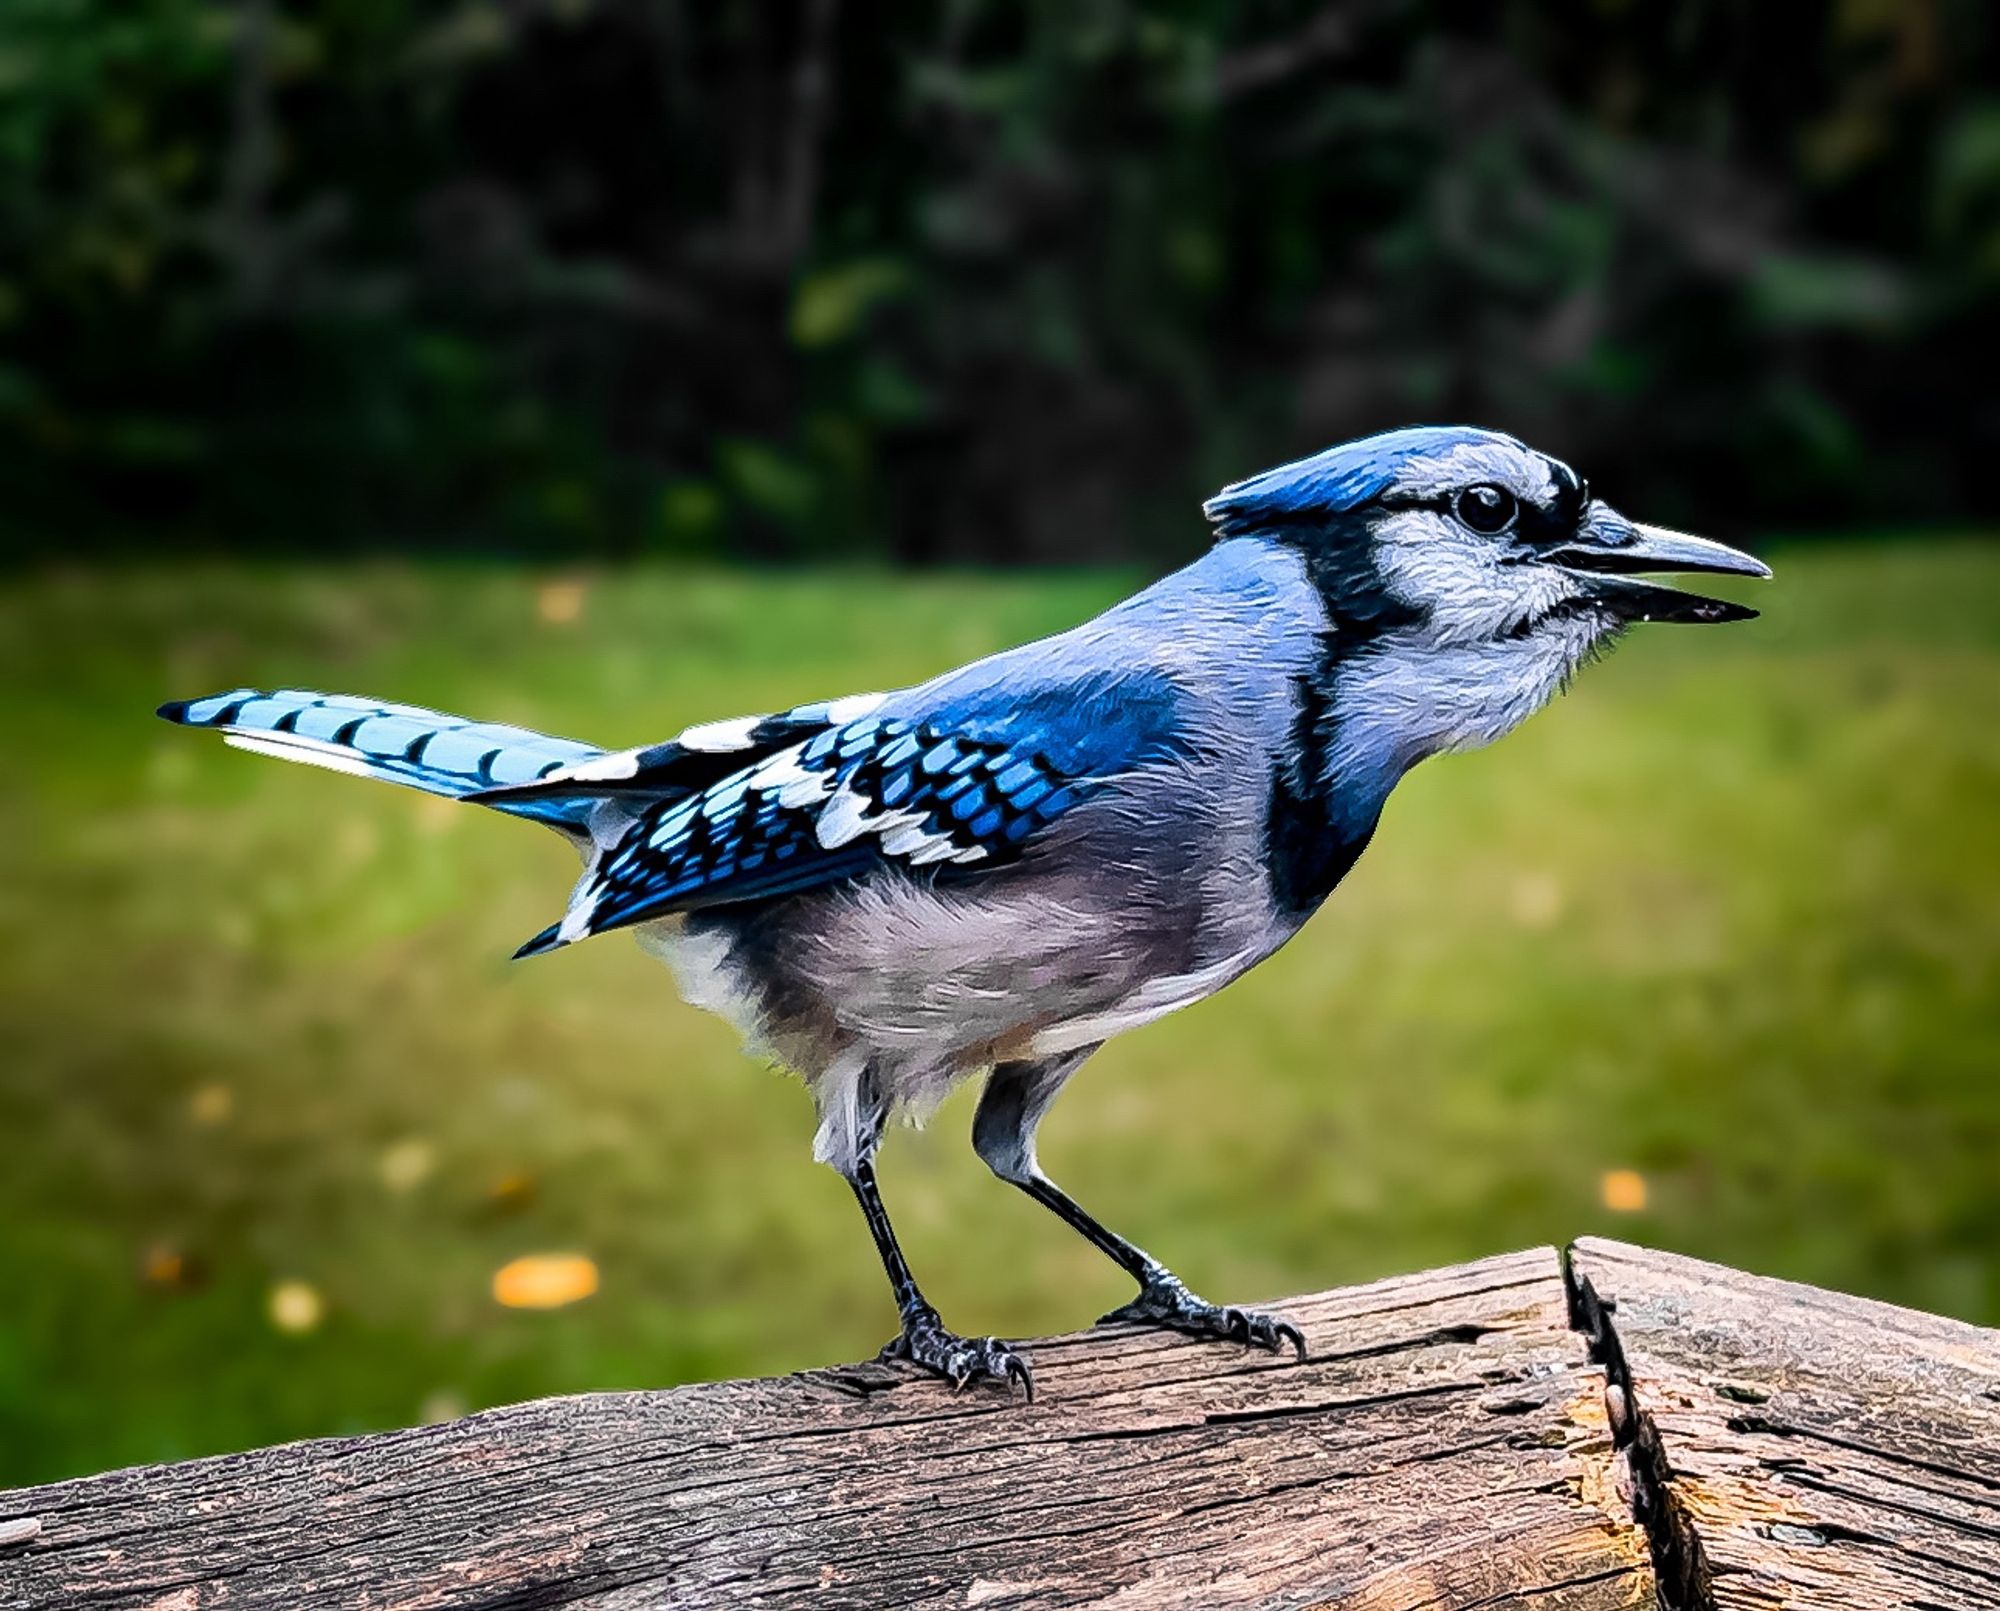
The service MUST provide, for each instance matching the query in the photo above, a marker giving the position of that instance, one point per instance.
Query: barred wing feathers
(958, 789)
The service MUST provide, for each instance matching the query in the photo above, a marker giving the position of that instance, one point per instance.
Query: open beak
(1609, 550)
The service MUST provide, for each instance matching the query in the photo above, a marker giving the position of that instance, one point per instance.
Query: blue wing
(682, 765)
(957, 785)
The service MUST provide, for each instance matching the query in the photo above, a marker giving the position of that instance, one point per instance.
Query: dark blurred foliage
(966, 280)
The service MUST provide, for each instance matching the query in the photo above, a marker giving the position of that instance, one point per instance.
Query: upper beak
(1609, 548)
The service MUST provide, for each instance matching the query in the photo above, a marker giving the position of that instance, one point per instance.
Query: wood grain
(1446, 1446)
(1623, 1429)
(1818, 1450)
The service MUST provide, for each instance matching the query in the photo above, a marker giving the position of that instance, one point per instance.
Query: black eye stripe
(1532, 525)
(1572, 494)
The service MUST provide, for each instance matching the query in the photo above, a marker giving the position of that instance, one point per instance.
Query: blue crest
(1340, 479)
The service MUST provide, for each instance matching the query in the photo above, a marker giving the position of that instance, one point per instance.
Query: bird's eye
(1486, 509)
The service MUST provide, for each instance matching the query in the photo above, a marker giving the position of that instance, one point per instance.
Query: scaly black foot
(1164, 1301)
(958, 1360)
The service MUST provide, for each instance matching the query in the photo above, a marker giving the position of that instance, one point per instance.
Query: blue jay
(999, 869)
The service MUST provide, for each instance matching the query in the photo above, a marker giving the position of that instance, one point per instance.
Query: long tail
(447, 755)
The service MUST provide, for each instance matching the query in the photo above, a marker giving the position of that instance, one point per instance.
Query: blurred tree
(970, 280)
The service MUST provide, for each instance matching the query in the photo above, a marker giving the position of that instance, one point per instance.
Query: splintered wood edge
(1508, 1489)
(1793, 1446)
(1775, 1445)
(1732, 1443)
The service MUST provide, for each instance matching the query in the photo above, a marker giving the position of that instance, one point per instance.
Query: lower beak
(1610, 548)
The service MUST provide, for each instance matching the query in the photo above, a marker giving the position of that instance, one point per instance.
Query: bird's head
(1465, 577)
(1453, 537)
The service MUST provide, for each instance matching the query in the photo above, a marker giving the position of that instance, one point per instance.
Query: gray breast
(1149, 894)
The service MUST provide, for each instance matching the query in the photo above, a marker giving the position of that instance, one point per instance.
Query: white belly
(1152, 1000)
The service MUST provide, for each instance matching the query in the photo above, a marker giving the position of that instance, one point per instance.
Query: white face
(1474, 585)
(1466, 577)
(1495, 632)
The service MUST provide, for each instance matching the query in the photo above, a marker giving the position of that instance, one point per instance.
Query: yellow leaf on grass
(295, 1307)
(544, 1280)
(1623, 1191)
(559, 603)
(1536, 900)
(513, 1190)
(406, 1165)
(164, 1265)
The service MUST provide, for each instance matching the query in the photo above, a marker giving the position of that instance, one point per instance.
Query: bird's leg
(1164, 1299)
(1003, 1133)
(924, 1341)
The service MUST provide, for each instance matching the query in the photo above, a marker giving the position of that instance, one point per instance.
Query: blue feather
(1340, 479)
(959, 782)
(423, 749)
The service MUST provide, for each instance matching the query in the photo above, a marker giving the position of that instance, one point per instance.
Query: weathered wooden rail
(1612, 1427)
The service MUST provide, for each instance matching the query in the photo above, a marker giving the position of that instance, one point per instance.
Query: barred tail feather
(423, 749)
(550, 939)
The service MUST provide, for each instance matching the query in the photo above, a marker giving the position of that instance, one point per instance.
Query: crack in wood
(1539, 1590)
(1783, 1429)
(1600, 1430)
(1866, 1396)
(1155, 1469)
(1679, 1561)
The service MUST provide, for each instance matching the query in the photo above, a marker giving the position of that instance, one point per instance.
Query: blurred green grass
(1725, 916)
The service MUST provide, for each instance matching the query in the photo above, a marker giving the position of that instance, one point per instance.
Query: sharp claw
(1171, 1305)
(960, 1361)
